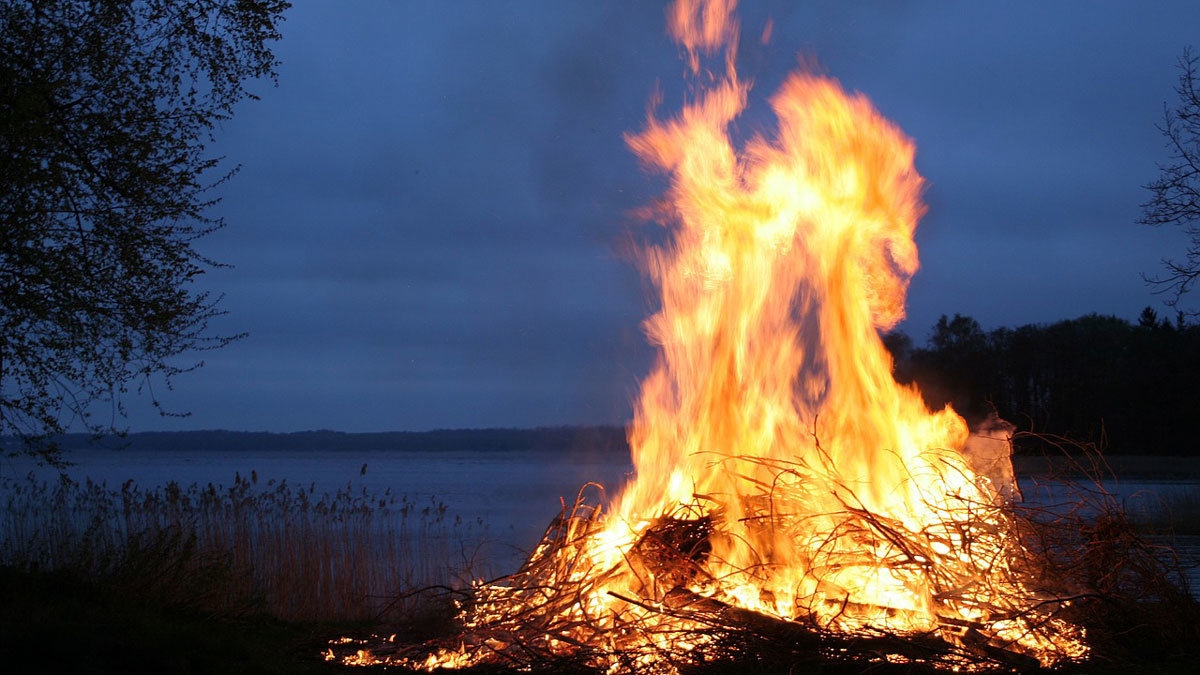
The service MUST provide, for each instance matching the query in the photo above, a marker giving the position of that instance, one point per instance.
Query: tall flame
(772, 399)
(779, 467)
(787, 258)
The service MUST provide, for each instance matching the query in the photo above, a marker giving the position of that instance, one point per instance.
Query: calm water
(515, 494)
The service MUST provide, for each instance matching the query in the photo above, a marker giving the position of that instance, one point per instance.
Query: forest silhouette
(1125, 387)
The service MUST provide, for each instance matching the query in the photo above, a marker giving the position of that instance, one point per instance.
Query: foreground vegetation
(57, 622)
(286, 551)
(1127, 591)
(247, 578)
(259, 576)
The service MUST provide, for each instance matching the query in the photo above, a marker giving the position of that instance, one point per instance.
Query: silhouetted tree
(960, 356)
(1094, 378)
(958, 336)
(1176, 192)
(899, 344)
(1148, 318)
(105, 110)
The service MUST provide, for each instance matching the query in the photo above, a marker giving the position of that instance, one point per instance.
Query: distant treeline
(545, 439)
(1131, 388)
(1128, 387)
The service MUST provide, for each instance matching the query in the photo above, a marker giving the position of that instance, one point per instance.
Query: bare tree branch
(1175, 193)
(106, 109)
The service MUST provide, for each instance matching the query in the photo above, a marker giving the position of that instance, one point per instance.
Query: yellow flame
(830, 493)
(787, 258)
(773, 395)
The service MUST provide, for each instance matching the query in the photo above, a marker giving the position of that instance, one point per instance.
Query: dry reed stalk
(1039, 569)
(291, 552)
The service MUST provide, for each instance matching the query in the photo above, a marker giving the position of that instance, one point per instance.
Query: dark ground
(56, 623)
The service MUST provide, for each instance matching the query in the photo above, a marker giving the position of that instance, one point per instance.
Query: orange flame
(829, 493)
(787, 259)
(703, 27)
(773, 395)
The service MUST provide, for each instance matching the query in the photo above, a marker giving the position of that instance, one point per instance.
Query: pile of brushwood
(1127, 592)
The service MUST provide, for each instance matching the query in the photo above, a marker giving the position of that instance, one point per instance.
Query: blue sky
(426, 229)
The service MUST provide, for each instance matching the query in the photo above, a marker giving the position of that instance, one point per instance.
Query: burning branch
(790, 497)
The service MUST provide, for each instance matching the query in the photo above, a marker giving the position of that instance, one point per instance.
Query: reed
(1070, 569)
(284, 550)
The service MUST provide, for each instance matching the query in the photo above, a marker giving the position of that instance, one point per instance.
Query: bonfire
(787, 490)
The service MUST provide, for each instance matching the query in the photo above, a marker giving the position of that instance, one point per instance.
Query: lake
(514, 493)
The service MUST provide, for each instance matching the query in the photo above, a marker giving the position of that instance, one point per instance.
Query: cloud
(424, 231)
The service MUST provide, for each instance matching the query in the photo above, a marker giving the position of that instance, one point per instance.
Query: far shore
(1157, 467)
(590, 441)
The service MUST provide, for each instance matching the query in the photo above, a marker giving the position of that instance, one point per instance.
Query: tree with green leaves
(1175, 194)
(106, 108)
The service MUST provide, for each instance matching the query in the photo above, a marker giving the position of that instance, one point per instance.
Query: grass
(1125, 590)
(253, 578)
(278, 550)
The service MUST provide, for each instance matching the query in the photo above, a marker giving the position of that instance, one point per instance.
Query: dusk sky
(426, 229)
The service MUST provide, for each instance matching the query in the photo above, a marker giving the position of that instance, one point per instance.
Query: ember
(786, 487)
